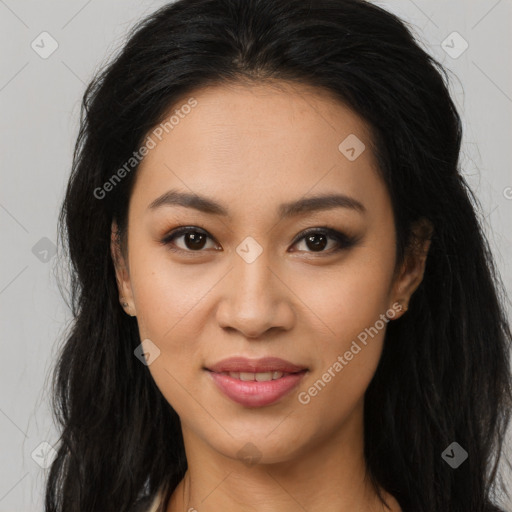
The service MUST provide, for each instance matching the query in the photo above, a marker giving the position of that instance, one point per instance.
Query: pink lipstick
(256, 382)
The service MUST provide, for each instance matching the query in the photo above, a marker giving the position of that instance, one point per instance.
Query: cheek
(166, 293)
(347, 316)
(169, 300)
(348, 299)
(169, 306)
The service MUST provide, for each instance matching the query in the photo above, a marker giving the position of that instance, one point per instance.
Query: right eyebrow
(201, 203)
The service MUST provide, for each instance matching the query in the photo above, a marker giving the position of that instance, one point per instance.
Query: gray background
(39, 101)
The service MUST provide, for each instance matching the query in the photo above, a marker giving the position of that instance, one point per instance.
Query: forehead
(259, 144)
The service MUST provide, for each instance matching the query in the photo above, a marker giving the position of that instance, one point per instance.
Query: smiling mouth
(259, 376)
(261, 367)
(255, 382)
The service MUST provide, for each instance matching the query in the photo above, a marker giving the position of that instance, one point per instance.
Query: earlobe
(121, 271)
(129, 308)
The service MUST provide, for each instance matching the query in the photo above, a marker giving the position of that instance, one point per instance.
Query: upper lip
(264, 364)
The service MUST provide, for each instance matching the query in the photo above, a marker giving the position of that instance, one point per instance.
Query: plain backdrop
(39, 100)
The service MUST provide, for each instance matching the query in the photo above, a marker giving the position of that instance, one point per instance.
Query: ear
(413, 266)
(122, 271)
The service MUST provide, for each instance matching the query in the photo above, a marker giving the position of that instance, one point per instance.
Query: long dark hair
(444, 374)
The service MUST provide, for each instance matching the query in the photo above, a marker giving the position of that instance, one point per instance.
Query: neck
(328, 475)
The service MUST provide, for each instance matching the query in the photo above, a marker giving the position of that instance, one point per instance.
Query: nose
(255, 299)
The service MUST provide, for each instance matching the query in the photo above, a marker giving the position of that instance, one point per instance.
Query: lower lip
(254, 393)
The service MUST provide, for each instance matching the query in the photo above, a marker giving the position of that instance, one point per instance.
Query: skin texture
(252, 148)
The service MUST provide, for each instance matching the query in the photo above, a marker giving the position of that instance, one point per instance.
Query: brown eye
(316, 242)
(318, 239)
(193, 239)
(190, 239)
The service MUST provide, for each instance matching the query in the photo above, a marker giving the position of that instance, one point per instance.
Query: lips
(257, 376)
(263, 365)
(256, 382)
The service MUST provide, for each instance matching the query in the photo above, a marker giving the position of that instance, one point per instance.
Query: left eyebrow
(318, 203)
(294, 208)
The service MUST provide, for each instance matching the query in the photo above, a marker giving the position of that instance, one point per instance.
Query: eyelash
(344, 241)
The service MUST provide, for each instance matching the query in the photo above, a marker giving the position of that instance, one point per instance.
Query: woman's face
(248, 281)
